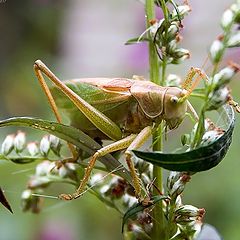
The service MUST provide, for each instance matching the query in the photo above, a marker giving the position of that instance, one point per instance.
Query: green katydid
(126, 111)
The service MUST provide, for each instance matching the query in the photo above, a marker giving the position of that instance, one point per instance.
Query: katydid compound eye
(174, 99)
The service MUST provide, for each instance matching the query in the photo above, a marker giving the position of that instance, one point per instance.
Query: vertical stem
(159, 230)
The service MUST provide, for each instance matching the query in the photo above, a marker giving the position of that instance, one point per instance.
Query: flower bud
(32, 149)
(236, 10)
(173, 30)
(172, 178)
(38, 182)
(234, 40)
(216, 50)
(44, 146)
(154, 28)
(183, 10)
(173, 80)
(129, 200)
(218, 98)
(180, 55)
(224, 76)
(19, 141)
(190, 211)
(96, 179)
(30, 202)
(8, 145)
(178, 185)
(227, 19)
(55, 144)
(43, 168)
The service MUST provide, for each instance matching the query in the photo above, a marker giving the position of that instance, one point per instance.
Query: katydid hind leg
(119, 145)
(141, 138)
(52, 104)
(101, 121)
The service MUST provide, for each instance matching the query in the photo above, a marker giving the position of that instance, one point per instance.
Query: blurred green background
(86, 39)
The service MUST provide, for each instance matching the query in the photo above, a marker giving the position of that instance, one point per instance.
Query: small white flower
(216, 50)
(43, 168)
(173, 80)
(129, 200)
(234, 40)
(8, 144)
(96, 179)
(224, 76)
(104, 189)
(182, 10)
(44, 146)
(19, 141)
(26, 194)
(227, 19)
(32, 148)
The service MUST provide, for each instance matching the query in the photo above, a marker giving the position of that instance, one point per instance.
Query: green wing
(112, 104)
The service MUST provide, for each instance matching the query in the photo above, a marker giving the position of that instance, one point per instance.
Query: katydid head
(175, 106)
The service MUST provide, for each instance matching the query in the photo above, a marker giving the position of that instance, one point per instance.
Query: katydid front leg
(102, 122)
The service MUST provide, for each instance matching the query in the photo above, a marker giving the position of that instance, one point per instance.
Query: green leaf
(137, 40)
(71, 135)
(138, 207)
(4, 201)
(200, 159)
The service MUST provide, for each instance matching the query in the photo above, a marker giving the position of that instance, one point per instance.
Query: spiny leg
(101, 121)
(52, 104)
(119, 145)
(141, 138)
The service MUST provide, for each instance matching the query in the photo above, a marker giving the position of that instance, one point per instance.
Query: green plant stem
(159, 230)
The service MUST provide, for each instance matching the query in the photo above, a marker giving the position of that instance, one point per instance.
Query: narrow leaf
(71, 135)
(200, 159)
(136, 40)
(4, 201)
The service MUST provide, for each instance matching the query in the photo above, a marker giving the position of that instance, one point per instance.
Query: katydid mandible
(126, 111)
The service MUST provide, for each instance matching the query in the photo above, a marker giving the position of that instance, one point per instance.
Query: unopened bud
(227, 19)
(173, 80)
(129, 200)
(173, 30)
(55, 144)
(178, 185)
(216, 50)
(183, 10)
(32, 149)
(38, 182)
(190, 211)
(8, 145)
(154, 28)
(96, 179)
(234, 40)
(236, 10)
(180, 55)
(19, 141)
(44, 146)
(44, 168)
(218, 98)
(172, 178)
(224, 76)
